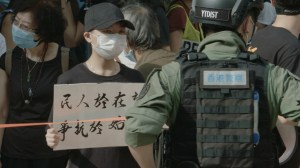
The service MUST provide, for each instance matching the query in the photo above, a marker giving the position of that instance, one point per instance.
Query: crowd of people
(170, 46)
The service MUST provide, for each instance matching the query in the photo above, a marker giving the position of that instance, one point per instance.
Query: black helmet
(225, 13)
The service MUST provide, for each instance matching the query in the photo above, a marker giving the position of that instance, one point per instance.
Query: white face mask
(109, 46)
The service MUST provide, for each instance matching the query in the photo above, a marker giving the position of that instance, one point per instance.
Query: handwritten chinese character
(101, 100)
(95, 126)
(80, 129)
(64, 128)
(118, 99)
(86, 105)
(66, 101)
(135, 96)
(117, 125)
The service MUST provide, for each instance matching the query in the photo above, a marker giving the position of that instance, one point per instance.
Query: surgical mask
(22, 38)
(127, 58)
(130, 55)
(109, 46)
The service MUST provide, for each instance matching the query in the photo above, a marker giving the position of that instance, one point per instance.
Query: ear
(249, 24)
(244, 27)
(87, 37)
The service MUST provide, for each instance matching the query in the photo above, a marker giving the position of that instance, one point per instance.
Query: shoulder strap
(64, 58)
(8, 61)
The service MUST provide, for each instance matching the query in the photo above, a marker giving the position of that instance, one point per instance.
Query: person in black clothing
(105, 31)
(279, 44)
(35, 65)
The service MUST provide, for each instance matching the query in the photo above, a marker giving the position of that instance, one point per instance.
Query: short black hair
(289, 7)
(47, 16)
(288, 3)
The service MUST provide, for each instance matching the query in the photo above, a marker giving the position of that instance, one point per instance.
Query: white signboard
(92, 115)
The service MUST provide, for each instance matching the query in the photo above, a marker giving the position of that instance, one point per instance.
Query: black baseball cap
(103, 15)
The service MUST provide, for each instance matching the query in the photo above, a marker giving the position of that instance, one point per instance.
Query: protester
(75, 17)
(208, 119)
(158, 7)
(35, 64)
(183, 32)
(144, 41)
(74, 13)
(3, 103)
(279, 43)
(267, 16)
(105, 31)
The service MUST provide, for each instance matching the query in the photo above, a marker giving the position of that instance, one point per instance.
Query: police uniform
(160, 98)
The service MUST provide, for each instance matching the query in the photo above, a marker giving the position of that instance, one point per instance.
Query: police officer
(200, 105)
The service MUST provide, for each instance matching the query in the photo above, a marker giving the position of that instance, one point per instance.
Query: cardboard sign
(81, 108)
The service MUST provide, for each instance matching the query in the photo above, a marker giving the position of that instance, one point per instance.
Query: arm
(177, 21)
(143, 155)
(176, 40)
(74, 31)
(284, 95)
(4, 103)
(157, 104)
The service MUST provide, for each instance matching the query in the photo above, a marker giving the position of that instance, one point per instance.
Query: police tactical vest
(223, 120)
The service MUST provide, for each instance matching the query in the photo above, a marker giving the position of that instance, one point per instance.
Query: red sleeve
(176, 19)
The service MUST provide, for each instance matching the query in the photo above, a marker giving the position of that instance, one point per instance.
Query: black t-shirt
(29, 142)
(278, 46)
(112, 157)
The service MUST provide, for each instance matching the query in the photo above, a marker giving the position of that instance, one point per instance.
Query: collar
(222, 45)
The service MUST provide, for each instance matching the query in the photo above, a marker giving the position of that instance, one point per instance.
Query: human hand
(52, 137)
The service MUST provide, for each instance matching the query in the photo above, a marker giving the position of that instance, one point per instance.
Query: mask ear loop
(93, 45)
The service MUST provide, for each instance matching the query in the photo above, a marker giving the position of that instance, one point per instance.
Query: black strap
(248, 56)
(64, 58)
(241, 124)
(225, 138)
(213, 152)
(8, 62)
